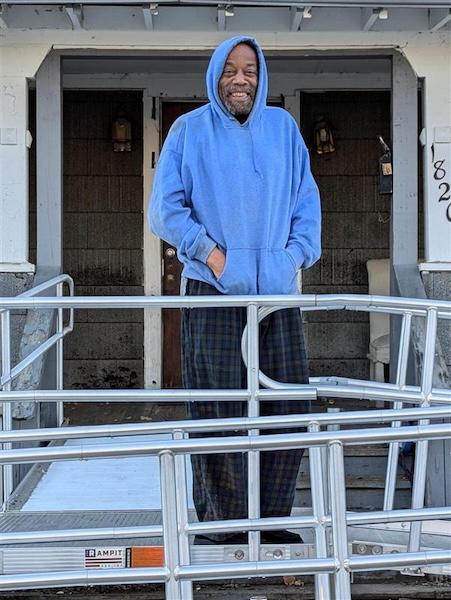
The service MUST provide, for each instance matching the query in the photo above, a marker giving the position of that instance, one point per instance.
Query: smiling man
(234, 193)
(239, 79)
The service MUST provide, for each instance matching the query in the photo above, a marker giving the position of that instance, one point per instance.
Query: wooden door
(172, 269)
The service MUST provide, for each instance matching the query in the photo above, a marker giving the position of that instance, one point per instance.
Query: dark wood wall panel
(356, 223)
(103, 237)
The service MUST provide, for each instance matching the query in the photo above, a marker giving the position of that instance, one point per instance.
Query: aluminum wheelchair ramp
(124, 494)
(338, 542)
(103, 494)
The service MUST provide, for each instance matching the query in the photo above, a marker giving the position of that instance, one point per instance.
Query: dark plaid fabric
(211, 359)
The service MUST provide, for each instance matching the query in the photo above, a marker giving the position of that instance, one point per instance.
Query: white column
(49, 164)
(431, 60)
(437, 162)
(17, 66)
(14, 175)
(404, 212)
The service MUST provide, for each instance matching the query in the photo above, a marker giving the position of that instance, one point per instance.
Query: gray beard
(238, 110)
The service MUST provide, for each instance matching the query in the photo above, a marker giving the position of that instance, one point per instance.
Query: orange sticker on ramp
(147, 556)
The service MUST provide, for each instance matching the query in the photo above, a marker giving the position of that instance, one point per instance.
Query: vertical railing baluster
(325, 461)
(7, 422)
(339, 528)
(322, 582)
(421, 452)
(186, 587)
(253, 467)
(401, 374)
(59, 357)
(169, 519)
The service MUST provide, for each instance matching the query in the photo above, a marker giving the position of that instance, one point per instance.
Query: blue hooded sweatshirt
(246, 188)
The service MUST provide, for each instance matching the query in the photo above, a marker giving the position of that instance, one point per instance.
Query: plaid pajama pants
(211, 359)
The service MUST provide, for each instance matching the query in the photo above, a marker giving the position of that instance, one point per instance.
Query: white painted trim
(293, 106)
(435, 266)
(153, 331)
(189, 41)
(24, 267)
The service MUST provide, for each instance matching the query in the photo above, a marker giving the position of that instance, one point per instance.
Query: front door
(172, 269)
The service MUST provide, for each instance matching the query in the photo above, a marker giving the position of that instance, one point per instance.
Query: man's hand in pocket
(216, 261)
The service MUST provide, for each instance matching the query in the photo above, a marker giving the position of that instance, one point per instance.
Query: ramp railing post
(7, 422)
(253, 465)
(339, 529)
(59, 357)
(322, 582)
(186, 587)
(401, 373)
(169, 518)
(325, 461)
(421, 453)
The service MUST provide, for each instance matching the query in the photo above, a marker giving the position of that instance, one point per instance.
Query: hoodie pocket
(239, 275)
(277, 273)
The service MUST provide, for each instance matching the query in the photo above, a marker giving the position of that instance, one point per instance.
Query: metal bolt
(277, 554)
(239, 554)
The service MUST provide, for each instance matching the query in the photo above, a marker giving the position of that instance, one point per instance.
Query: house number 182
(444, 187)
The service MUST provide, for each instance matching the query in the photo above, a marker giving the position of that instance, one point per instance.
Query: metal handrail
(226, 424)
(54, 339)
(388, 304)
(387, 392)
(176, 527)
(8, 374)
(44, 286)
(240, 443)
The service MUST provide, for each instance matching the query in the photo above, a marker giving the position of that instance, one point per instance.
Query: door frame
(152, 267)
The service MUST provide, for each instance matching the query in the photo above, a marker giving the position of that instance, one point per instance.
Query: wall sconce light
(121, 134)
(324, 140)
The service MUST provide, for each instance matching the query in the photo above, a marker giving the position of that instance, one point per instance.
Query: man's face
(239, 81)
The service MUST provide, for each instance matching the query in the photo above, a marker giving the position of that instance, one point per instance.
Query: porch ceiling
(238, 15)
